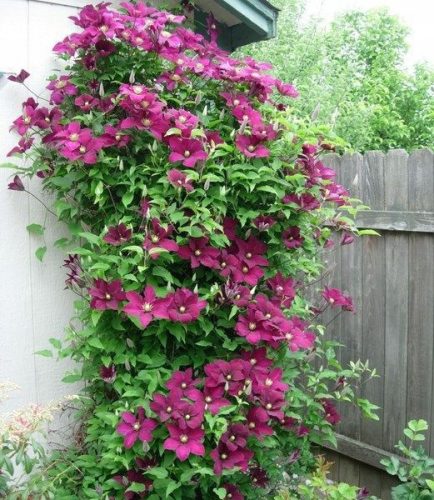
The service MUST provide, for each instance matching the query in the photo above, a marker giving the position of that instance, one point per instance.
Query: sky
(418, 15)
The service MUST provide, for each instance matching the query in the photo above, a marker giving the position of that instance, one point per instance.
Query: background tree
(354, 77)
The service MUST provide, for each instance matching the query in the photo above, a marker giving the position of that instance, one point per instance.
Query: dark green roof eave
(258, 21)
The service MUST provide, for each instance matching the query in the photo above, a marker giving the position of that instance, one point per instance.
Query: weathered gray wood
(351, 281)
(421, 286)
(374, 291)
(396, 220)
(360, 451)
(396, 307)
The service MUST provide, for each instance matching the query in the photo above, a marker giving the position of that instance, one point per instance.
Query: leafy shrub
(416, 469)
(196, 204)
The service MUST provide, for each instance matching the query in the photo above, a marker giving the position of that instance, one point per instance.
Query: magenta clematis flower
(257, 422)
(145, 306)
(149, 121)
(184, 306)
(251, 328)
(331, 414)
(234, 100)
(117, 235)
(283, 288)
(60, 89)
(272, 380)
(231, 375)
(86, 102)
(182, 380)
(20, 77)
(23, 145)
(347, 238)
(166, 406)
(183, 120)
(23, 123)
(184, 442)
(113, 136)
(264, 222)
(45, 118)
(78, 144)
(136, 476)
(179, 180)
(135, 428)
(171, 79)
(230, 228)
(224, 458)
(106, 295)
(232, 492)
(235, 436)
(251, 146)
(186, 151)
(214, 400)
(145, 206)
(336, 298)
(286, 89)
(259, 477)
(246, 115)
(242, 272)
(251, 252)
(158, 238)
(292, 237)
(108, 373)
(16, 184)
(272, 402)
(306, 201)
(257, 359)
(237, 294)
(190, 415)
(294, 425)
(198, 252)
(296, 335)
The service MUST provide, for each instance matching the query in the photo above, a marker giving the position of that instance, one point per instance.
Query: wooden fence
(391, 279)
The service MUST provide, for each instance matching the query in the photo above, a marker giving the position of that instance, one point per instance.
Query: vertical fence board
(373, 277)
(396, 307)
(351, 258)
(421, 285)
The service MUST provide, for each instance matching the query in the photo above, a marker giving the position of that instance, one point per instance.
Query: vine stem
(41, 202)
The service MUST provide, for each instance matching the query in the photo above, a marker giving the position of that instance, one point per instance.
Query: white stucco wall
(33, 303)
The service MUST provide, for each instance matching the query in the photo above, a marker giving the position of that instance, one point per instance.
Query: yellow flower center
(183, 438)
(252, 326)
(147, 307)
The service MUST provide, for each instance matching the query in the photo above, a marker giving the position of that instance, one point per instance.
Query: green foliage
(318, 486)
(352, 77)
(129, 186)
(415, 469)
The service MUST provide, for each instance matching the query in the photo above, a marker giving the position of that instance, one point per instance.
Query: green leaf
(158, 472)
(90, 237)
(127, 198)
(95, 342)
(45, 352)
(40, 252)
(220, 492)
(71, 378)
(171, 487)
(35, 229)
